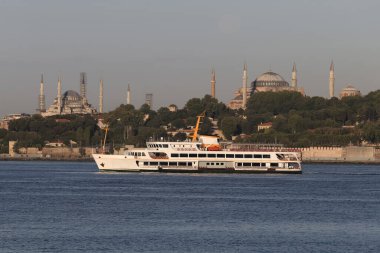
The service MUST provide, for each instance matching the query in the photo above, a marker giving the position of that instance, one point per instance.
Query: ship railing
(264, 150)
(159, 157)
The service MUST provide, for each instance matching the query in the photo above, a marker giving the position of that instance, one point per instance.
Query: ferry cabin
(197, 157)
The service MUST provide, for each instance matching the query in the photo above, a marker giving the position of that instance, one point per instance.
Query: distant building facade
(4, 122)
(173, 108)
(264, 126)
(268, 81)
(71, 102)
(349, 91)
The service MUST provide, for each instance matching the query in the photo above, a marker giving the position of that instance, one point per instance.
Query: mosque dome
(71, 95)
(350, 90)
(270, 79)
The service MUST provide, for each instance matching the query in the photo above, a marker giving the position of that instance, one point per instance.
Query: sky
(169, 47)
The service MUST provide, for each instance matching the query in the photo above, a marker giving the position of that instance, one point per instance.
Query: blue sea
(71, 207)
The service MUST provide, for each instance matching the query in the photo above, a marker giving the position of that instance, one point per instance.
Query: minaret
(294, 76)
(332, 80)
(213, 80)
(101, 96)
(245, 80)
(83, 82)
(42, 107)
(59, 96)
(129, 95)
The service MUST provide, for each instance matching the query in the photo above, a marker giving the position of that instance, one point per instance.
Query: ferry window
(274, 164)
(182, 164)
(220, 155)
(143, 154)
(153, 163)
(248, 156)
(208, 163)
(139, 153)
(146, 163)
(160, 145)
(174, 155)
(238, 164)
(256, 164)
(192, 155)
(211, 155)
(216, 163)
(166, 145)
(201, 155)
(172, 164)
(258, 156)
(212, 163)
(266, 156)
(164, 163)
(238, 156)
(230, 155)
(188, 163)
(183, 155)
(246, 164)
(263, 164)
(221, 163)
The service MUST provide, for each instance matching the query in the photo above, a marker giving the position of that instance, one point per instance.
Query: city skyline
(172, 46)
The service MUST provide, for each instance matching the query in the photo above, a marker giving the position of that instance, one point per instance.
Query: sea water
(71, 207)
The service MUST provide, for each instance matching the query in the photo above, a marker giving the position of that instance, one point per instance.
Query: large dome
(270, 79)
(71, 95)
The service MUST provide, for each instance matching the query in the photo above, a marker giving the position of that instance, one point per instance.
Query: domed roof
(71, 95)
(270, 77)
(350, 87)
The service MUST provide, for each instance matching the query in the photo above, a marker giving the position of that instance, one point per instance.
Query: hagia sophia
(268, 81)
(271, 81)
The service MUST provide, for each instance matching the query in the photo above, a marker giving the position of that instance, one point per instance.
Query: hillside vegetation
(296, 121)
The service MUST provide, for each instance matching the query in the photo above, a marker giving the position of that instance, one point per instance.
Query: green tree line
(297, 120)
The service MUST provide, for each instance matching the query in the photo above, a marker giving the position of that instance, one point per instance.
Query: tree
(194, 107)
(230, 127)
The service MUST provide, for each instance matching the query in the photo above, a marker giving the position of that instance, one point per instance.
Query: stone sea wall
(361, 154)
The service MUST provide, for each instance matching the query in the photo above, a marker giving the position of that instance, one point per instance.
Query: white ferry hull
(122, 163)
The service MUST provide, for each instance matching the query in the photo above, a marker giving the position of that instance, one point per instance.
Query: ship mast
(199, 118)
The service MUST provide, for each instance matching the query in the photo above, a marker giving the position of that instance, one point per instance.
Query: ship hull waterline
(119, 163)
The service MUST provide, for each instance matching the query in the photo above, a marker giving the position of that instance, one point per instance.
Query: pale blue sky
(168, 47)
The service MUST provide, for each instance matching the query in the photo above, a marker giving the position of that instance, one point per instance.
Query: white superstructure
(205, 155)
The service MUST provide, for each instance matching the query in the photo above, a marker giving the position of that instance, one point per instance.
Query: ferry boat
(203, 154)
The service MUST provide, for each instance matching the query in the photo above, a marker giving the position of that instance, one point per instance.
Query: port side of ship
(195, 157)
(203, 154)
